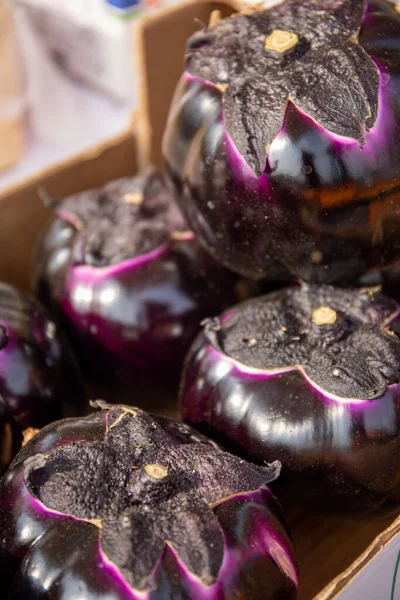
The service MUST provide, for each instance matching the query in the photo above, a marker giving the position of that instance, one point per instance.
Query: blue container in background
(123, 4)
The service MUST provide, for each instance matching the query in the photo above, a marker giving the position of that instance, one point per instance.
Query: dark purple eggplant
(283, 140)
(127, 280)
(123, 505)
(309, 375)
(39, 379)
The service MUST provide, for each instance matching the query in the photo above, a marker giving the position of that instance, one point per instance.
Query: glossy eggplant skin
(324, 209)
(135, 317)
(39, 379)
(46, 554)
(338, 454)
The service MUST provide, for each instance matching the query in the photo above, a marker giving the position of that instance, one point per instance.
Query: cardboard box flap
(162, 44)
(365, 569)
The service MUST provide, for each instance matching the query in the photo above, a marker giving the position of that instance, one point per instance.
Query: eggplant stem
(215, 18)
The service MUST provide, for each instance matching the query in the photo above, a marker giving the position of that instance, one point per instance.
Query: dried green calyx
(126, 218)
(148, 482)
(341, 339)
(304, 52)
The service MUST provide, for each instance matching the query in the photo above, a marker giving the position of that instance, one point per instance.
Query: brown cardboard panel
(163, 38)
(23, 216)
(380, 542)
(327, 545)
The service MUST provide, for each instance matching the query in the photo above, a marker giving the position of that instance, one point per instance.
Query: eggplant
(124, 505)
(127, 280)
(39, 378)
(310, 375)
(282, 142)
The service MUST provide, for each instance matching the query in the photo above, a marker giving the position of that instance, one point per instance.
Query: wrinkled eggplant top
(339, 338)
(146, 481)
(326, 74)
(124, 219)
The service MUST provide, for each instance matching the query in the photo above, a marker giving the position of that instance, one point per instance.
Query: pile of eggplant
(252, 288)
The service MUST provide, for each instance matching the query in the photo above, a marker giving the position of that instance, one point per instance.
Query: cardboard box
(339, 558)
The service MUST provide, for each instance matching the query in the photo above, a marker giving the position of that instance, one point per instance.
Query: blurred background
(68, 79)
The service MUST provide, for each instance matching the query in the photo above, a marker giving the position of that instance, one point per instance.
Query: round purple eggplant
(124, 505)
(39, 380)
(128, 281)
(283, 140)
(309, 375)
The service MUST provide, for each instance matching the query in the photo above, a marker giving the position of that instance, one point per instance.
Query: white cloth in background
(65, 116)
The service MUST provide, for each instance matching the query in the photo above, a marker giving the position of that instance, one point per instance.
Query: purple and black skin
(311, 376)
(288, 163)
(39, 379)
(124, 505)
(127, 280)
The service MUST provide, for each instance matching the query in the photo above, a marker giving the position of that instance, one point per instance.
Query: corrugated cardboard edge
(340, 582)
(142, 117)
(144, 131)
